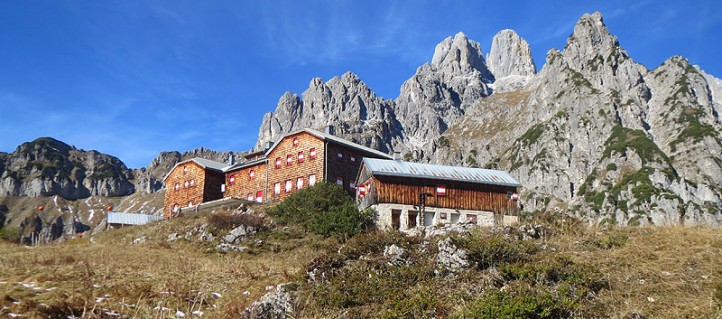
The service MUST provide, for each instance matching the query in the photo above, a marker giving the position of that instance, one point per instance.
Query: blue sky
(134, 78)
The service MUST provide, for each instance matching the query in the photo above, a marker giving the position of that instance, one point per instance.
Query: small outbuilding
(407, 195)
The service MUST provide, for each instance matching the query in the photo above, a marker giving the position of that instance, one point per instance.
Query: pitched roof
(333, 138)
(207, 164)
(245, 164)
(398, 168)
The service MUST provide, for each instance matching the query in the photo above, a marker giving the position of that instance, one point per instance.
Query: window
(252, 174)
(259, 196)
(353, 159)
(311, 179)
(177, 186)
(277, 188)
(278, 162)
(295, 141)
(250, 197)
(352, 185)
(190, 203)
(339, 156)
(289, 186)
(193, 182)
(472, 218)
(312, 153)
(289, 160)
(185, 184)
(361, 190)
(299, 183)
(339, 181)
(231, 179)
(300, 157)
(185, 169)
(176, 208)
(441, 190)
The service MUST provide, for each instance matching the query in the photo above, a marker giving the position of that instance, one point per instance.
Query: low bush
(10, 234)
(226, 221)
(523, 301)
(323, 209)
(487, 250)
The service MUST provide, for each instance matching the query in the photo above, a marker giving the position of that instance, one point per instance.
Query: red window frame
(231, 179)
(295, 141)
(300, 158)
(278, 162)
(440, 190)
(289, 160)
(312, 153)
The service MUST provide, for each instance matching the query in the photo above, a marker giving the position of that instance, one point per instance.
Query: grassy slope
(135, 279)
(659, 272)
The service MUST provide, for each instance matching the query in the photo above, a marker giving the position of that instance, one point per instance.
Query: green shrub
(323, 209)
(608, 240)
(523, 302)
(494, 249)
(559, 270)
(10, 234)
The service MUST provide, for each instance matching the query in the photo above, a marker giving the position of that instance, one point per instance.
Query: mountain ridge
(592, 133)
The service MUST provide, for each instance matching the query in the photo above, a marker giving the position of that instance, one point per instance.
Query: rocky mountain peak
(510, 55)
(458, 55)
(591, 40)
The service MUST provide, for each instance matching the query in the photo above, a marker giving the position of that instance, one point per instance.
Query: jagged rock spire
(510, 55)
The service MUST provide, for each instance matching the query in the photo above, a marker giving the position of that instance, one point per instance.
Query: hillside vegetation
(568, 271)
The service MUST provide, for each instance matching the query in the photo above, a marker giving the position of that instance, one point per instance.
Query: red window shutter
(289, 159)
(259, 196)
(312, 153)
(232, 179)
(300, 157)
(250, 197)
(278, 162)
(295, 141)
(441, 190)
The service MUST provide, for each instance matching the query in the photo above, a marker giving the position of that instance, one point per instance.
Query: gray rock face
(345, 102)
(239, 234)
(593, 133)
(510, 61)
(47, 167)
(277, 304)
(450, 259)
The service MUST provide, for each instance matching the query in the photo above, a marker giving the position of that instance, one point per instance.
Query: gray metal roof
(131, 218)
(333, 138)
(208, 164)
(439, 172)
(245, 164)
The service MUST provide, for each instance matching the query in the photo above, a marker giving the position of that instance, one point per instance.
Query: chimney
(231, 159)
(329, 130)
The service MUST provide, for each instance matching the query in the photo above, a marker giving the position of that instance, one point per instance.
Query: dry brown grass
(138, 280)
(662, 272)
(659, 272)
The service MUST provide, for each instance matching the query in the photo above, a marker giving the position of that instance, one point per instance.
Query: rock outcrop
(593, 133)
(510, 61)
(47, 167)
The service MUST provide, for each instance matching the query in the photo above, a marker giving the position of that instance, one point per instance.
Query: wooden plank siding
(459, 195)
